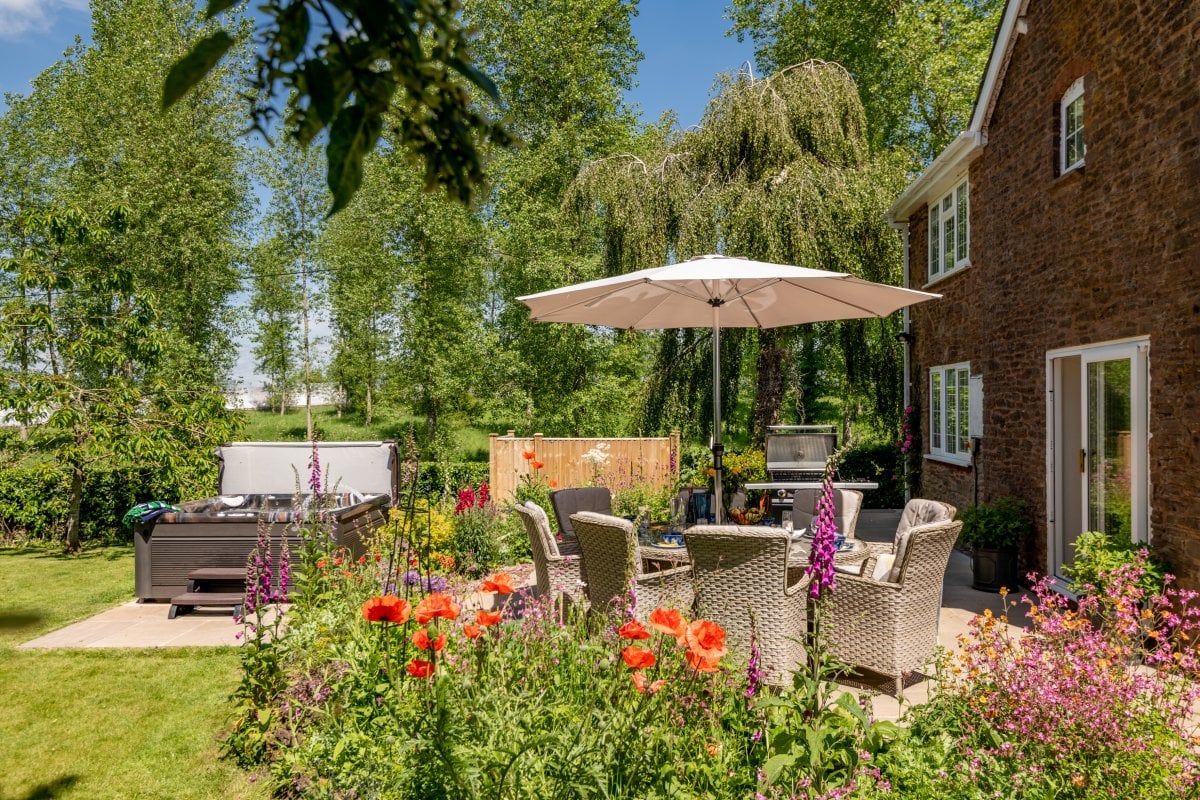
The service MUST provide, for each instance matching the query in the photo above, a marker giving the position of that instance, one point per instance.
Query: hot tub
(257, 484)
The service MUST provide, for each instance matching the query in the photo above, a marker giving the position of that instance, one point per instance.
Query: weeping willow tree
(779, 170)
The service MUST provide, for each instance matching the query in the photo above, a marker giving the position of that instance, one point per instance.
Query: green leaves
(352, 135)
(194, 66)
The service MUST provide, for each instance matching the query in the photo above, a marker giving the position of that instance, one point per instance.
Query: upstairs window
(949, 412)
(1071, 146)
(949, 232)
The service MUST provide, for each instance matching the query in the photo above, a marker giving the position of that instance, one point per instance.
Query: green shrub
(999, 524)
(34, 500)
(1099, 554)
(442, 479)
(879, 463)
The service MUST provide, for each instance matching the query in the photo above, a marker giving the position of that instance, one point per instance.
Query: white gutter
(949, 163)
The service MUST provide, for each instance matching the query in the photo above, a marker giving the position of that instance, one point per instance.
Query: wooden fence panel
(654, 459)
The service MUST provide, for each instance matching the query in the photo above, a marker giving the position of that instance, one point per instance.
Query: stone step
(187, 602)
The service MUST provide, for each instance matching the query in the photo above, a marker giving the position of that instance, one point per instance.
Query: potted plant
(992, 533)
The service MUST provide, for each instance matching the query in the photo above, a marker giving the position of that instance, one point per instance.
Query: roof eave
(951, 161)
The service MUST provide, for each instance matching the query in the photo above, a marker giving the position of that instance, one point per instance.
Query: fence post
(493, 456)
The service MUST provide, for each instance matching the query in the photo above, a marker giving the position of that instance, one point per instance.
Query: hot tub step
(184, 603)
(215, 575)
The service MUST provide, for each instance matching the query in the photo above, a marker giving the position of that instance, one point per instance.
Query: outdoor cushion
(898, 565)
(923, 512)
(883, 567)
(571, 501)
(543, 525)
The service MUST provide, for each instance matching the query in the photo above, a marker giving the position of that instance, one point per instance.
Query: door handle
(1083, 460)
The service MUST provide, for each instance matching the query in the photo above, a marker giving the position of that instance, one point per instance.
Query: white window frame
(1073, 94)
(952, 210)
(949, 385)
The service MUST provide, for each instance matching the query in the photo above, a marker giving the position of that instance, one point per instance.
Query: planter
(992, 568)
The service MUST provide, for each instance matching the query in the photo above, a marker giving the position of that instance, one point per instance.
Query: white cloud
(19, 17)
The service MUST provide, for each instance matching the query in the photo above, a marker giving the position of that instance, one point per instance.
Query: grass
(104, 723)
(470, 443)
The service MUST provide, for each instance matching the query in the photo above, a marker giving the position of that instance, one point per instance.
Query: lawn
(104, 723)
(471, 444)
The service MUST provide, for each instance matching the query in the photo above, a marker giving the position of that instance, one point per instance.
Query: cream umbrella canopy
(719, 292)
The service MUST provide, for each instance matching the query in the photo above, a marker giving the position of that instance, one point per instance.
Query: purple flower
(824, 546)
(753, 671)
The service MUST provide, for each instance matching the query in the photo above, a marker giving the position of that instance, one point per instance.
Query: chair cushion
(543, 525)
(923, 512)
(898, 564)
(571, 501)
(883, 567)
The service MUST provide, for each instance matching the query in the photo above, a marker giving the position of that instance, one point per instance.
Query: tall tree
(917, 63)
(779, 170)
(94, 338)
(276, 300)
(288, 265)
(366, 286)
(180, 174)
(562, 68)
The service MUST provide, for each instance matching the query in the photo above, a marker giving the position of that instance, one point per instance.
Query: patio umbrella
(719, 292)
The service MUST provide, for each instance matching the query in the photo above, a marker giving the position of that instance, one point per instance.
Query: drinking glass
(787, 521)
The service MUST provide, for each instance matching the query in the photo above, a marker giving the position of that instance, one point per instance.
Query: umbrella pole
(718, 449)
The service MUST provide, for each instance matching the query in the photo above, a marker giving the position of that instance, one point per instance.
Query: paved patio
(135, 624)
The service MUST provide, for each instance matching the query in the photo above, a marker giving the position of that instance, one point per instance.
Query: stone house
(1062, 365)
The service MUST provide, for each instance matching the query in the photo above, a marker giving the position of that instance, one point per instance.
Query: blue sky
(683, 43)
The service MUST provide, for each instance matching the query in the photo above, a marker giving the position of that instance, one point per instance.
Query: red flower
(537, 464)
(700, 663)
(420, 669)
(553, 484)
(486, 618)
(637, 658)
(437, 604)
(706, 638)
(633, 630)
(423, 642)
(388, 608)
(528, 455)
(500, 583)
(472, 631)
(668, 621)
(639, 683)
(484, 495)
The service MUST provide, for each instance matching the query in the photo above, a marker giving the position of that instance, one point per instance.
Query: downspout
(906, 336)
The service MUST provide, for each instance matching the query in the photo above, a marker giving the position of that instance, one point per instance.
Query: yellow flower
(712, 472)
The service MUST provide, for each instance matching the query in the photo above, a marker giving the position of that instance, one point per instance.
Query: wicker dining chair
(609, 547)
(847, 503)
(741, 584)
(890, 626)
(558, 566)
(571, 501)
(918, 511)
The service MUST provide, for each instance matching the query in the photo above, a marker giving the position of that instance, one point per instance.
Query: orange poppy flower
(640, 683)
(486, 618)
(706, 638)
(633, 630)
(700, 663)
(438, 604)
(500, 583)
(668, 621)
(537, 464)
(553, 484)
(388, 608)
(528, 455)
(472, 631)
(423, 642)
(637, 657)
(420, 669)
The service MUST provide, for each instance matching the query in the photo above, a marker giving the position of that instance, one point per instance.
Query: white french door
(1098, 445)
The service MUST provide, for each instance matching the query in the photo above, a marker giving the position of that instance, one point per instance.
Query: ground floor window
(949, 404)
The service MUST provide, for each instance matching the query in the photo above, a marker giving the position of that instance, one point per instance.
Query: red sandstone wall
(1110, 252)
